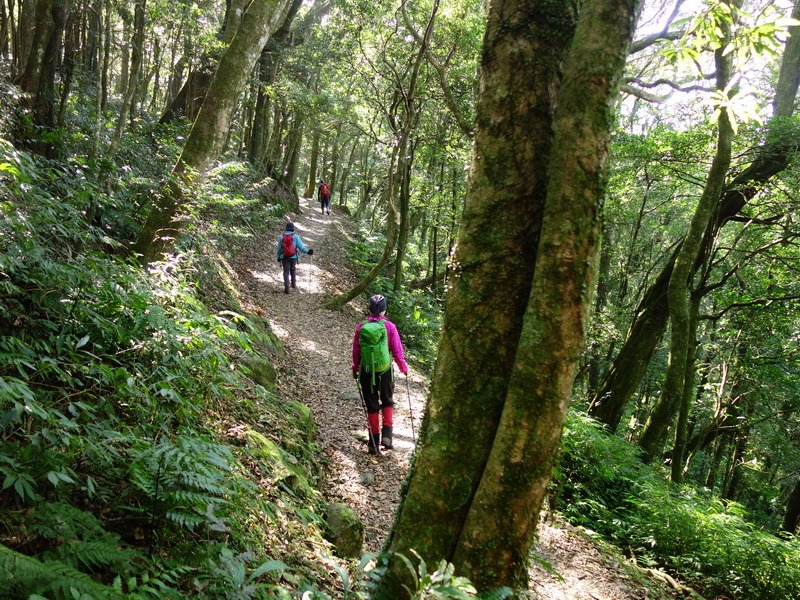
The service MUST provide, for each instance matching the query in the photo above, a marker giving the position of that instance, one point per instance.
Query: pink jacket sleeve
(396, 346)
(356, 350)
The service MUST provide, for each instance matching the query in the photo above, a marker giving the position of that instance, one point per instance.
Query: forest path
(315, 370)
(316, 367)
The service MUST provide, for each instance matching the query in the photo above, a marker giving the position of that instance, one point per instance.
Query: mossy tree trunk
(348, 167)
(404, 201)
(523, 273)
(38, 78)
(680, 449)
(667, 407)
(208, 133)
(311, 181)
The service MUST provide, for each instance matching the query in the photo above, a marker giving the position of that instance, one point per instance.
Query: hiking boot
(386, 438)
(286, 290)
(374, 444)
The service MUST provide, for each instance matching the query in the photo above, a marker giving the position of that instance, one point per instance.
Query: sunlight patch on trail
(311, 346)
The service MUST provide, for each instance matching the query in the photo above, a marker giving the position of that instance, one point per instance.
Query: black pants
(380, 395)
(289, 272)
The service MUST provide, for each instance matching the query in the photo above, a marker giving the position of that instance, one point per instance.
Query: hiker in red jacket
(375, 343)
(289, 248)
(324, 196)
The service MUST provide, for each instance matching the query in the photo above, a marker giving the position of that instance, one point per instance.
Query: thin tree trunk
(269, 62)
(405, 207)
(205, 140)
(716, 461)
(684, 410)
(99, 6)
(346, 175)
(311, 182)
(673, 391)
(398, 186)
(337, 302)
(137, 43)
(791, 516)
(106, 57)
(650, 321)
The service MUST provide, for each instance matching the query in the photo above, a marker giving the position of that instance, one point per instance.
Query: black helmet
(377, 304)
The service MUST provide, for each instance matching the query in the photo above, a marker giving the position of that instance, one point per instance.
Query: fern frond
(92, 554)
(23, 576)
(188, 520)
(163, 585)
(58, 520)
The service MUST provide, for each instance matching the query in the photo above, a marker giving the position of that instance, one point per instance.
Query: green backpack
(375, 356)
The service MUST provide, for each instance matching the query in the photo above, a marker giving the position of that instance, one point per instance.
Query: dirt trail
(316, 371)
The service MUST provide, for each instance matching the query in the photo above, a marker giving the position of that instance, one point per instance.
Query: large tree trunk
(650, 320)
(205, 140)
(516, 312)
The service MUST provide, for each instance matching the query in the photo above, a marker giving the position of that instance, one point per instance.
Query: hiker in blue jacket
(289, 247)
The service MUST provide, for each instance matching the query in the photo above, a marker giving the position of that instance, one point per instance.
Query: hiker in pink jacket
(375, 344)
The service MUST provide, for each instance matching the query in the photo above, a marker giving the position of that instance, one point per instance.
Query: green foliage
(185, 480)
(441, 583)
(114, 384)
(418, 318)
(23, 576)
(601, 485)
(725, 26)
(228, 576)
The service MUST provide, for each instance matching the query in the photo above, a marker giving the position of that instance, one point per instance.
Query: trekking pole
(410, 412)
(310, 268)
(366, 417)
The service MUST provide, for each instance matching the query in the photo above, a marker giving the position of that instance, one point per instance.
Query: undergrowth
(127, 414)
(710, 544)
